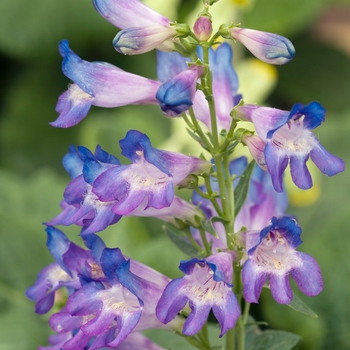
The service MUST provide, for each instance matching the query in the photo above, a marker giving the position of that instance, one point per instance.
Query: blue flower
(272, 257)
(206, 285)
(175, 96)
(285, 137)
(225, 82)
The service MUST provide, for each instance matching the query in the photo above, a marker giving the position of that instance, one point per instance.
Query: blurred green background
(32, 179)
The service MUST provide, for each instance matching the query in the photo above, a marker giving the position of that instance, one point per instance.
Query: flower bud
(203, 28)
(268, 47)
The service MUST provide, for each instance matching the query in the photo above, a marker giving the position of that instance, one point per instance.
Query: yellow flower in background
(303, 198)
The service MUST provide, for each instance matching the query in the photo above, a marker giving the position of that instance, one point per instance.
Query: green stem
(199, 131)
(222, 187)
(230, 195)
(193, 242)
(208, 91)
(209, 196)
(240, 326)
(205, 242)
(230, 339)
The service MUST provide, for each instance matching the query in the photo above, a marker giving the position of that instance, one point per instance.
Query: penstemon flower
(287, 137)
(274, 257)
(206, 285)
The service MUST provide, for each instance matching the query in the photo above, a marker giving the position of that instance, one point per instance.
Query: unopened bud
(203, 28)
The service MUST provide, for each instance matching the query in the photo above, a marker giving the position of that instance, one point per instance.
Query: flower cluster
(240, 237)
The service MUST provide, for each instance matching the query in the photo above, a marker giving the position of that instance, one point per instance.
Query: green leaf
(208, 227)
(298, 305)
(275, 340)
(178, 238)
(241, 191)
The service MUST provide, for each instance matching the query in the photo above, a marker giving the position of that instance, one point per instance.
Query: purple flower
(104, 314)
(99, 84)
(80, 205)
(107, 190)
(206, 285)
(143, 28)
(272, 256)
(175, 96)
(268, 47)
(225, 83)
(288, 138)
(149, 181)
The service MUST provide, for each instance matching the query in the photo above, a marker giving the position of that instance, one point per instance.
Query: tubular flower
(272, 256)
(268, 47)
(106, 190)
(104, 314)
(108, 300)
(80, 205)
(98, 84)
(149, 180)
(142, 28)
(225, 82)
(59, 274)
(176, 95)
(288, 138)
(206, 285)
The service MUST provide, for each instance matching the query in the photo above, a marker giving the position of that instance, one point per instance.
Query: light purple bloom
(175, 96)
(206, 285)
(99, 84)
(58, 274)
(104, 314)
(225, 83)
(272, 256)
(288, 138)
(143, 28)
(150, 180)
(268, 47)
(80, 205)
(107, 190)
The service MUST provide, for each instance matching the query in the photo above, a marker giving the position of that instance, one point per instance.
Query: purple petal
(326, 162)
(308, 275)
(73, 107)
(300, 173)
(280, 287)
(196, 318)
(170, 64)
(254, 279)
(276, 161)
(265, 119)
(138, 40)
(129, 13)
(176, 95)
